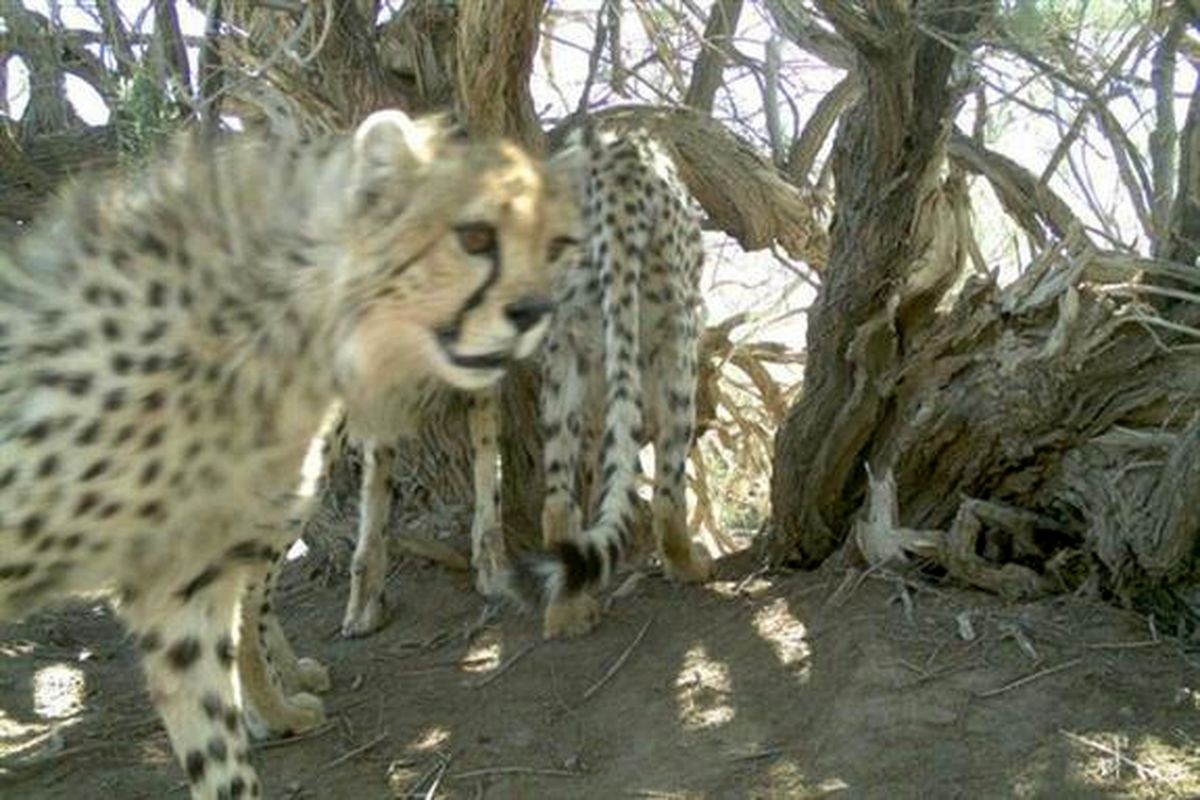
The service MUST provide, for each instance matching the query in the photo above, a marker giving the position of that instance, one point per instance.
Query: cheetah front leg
(365, 610)
(275, 683)
(188, 653)
(488, 554)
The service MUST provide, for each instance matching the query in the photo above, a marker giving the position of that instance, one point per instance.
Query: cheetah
(621, 357)
(619, 369)
(169, 343)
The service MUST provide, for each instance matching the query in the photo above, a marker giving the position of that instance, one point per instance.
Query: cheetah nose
(527, 311)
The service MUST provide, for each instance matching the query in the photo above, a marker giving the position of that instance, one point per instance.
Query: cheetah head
(451, 258)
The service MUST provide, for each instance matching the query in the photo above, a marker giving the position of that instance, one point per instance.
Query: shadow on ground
(750, 687)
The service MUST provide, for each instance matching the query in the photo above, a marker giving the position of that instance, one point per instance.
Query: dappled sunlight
(1145, 761)
(704, 691)
(421, 768)
(667, 794)
(786, 778)
(431, 740)
(18, 736)
(786, 635)
(57, 695)
(483, 655)
(58, 691)
(15, 649)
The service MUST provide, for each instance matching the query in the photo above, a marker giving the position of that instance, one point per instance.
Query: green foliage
(146, 116)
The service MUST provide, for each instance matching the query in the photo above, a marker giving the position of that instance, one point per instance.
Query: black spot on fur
(194, 764)
(150, 473)
(90, 433)
(183, 653)
(121, 363)
(15, 571)
(31, 526)
(88, 500)
(153, 438)
(211, 705)
(153, 333)
(48, 466)
(224, 652)
(95, 470)
(111, 329)
(150, 641)
(251, 550)
(37, 432)
(217, 750)
(152, 245)
(156, 294)
(150, 509)
(114, 399)
(205, 577)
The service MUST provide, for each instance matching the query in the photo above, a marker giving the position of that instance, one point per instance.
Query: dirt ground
(760, 686)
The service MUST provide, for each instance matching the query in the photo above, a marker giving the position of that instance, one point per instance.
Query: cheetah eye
(559, 245)
(477, 238)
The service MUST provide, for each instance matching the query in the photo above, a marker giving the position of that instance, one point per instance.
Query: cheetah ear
(390, 140)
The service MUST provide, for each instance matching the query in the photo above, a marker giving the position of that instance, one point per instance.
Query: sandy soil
(765, 686)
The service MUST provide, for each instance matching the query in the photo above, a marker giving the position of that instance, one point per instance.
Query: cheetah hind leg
(295, 674)
(273, 681)
(683, 560)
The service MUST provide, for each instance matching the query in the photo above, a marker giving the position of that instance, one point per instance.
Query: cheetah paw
(573, 616)
(698, 568)
(312, 675)
(299, 713)
(363, 619)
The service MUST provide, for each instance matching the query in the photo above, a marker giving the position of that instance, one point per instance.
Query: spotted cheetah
(619, 369)
(621, 357)
(170, 342)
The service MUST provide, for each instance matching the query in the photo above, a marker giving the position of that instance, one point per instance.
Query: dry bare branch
(1164, 137)
(802, 29)
(806, 146)
(1184, 235)
(1034, 206)
(709, 66)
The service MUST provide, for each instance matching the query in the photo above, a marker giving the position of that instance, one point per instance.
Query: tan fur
(170, 342)
(619, 370)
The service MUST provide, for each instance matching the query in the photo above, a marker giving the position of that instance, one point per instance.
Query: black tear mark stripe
(476, 298)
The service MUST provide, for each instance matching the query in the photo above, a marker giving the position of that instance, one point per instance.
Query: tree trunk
(894, 246)
(1026, 439)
